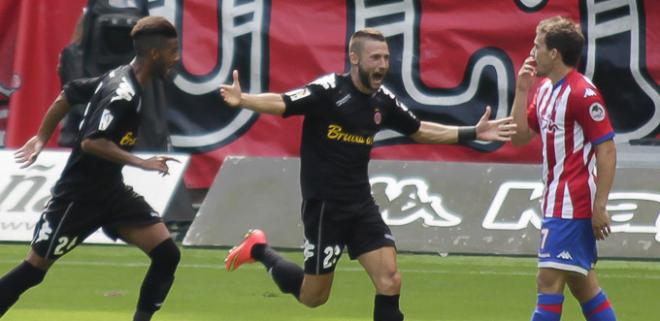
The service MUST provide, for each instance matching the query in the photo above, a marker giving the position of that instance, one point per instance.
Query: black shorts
(66, 223)
(331, 225)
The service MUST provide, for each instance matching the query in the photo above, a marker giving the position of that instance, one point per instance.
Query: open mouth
(377, 76)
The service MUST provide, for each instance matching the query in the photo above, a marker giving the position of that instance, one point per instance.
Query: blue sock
(548, 307)
(598, 309)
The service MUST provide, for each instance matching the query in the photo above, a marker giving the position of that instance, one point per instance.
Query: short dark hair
(357, 39)
(149, 32)
(564, 35)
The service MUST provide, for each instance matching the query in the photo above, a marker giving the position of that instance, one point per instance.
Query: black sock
(160, 276)
(17, 281)
(287, 275)
(386, 308)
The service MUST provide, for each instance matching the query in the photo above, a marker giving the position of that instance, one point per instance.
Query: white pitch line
(220, 266)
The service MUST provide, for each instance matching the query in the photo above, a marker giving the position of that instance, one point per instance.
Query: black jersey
(113, 113)
(338, 134)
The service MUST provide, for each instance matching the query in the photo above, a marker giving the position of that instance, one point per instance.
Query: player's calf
(386, 308)
(598, 309)
(548, 307)
(17, 281)
(158, 281)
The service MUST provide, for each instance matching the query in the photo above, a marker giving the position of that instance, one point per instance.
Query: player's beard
(365, 78)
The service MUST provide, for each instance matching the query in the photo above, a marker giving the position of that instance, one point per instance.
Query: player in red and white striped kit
(568, 113)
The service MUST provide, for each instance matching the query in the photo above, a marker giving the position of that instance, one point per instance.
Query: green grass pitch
(101, 283)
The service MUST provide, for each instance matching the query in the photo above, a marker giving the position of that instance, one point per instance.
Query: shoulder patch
(597, 112)
(124, 91)
(106, 119)
(298, 93)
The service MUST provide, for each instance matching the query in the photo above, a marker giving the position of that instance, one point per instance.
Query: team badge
(378, 117)
(597, 112)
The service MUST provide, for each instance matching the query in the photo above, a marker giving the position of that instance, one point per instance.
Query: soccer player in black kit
(90, 193)
(342, 115)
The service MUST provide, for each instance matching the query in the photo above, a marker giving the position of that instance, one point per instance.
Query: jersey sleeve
(532, 114)
(400, 118)
(590, 113)
(104, 121)
(305, 100)
(80, 91)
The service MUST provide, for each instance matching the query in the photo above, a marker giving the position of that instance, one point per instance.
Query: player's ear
(154, 53)
(353, 56)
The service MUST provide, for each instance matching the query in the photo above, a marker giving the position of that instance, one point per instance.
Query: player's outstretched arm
(106, 149)
(487, 130)
(519, 111)
(28, 153)
(268, 103)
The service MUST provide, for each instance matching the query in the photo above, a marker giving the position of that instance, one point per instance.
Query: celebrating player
(342, 115)
(568, 112)
(90, 192)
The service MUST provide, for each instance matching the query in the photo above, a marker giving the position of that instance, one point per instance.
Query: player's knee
(166, 255)
(389, 284)
(314, 301)
(549, 281)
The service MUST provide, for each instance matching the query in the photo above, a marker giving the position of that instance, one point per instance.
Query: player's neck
(141, 70)
(559, 72)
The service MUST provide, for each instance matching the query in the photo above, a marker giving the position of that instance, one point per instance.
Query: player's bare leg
(550, 285)
(155, 241)
(381, 266)
(315, 289)
(595, 304)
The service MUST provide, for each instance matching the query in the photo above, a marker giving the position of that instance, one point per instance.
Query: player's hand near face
(27, 154)
(495, 130)
(232, 93)
(158, 163)
(526, 74)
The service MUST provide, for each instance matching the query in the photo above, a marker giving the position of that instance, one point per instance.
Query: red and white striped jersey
(571, 118)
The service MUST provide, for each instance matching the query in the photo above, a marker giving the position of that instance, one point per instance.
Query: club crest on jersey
(378, 117)
(106, 119)
(597, 112)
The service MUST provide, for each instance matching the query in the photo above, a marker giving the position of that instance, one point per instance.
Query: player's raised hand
(159, 164)
(526, 74)
(232, 93)
(600, 222)
(495, 130)
(27, 154)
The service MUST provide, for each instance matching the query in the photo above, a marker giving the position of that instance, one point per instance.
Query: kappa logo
(565, 255)
(408, 200)
(589, 93)
(124, 91)
(308, 250)
(44, 233)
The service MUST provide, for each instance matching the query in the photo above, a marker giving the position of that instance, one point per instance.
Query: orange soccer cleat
(241, 253)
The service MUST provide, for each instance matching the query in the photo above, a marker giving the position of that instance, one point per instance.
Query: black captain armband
(467, 133)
